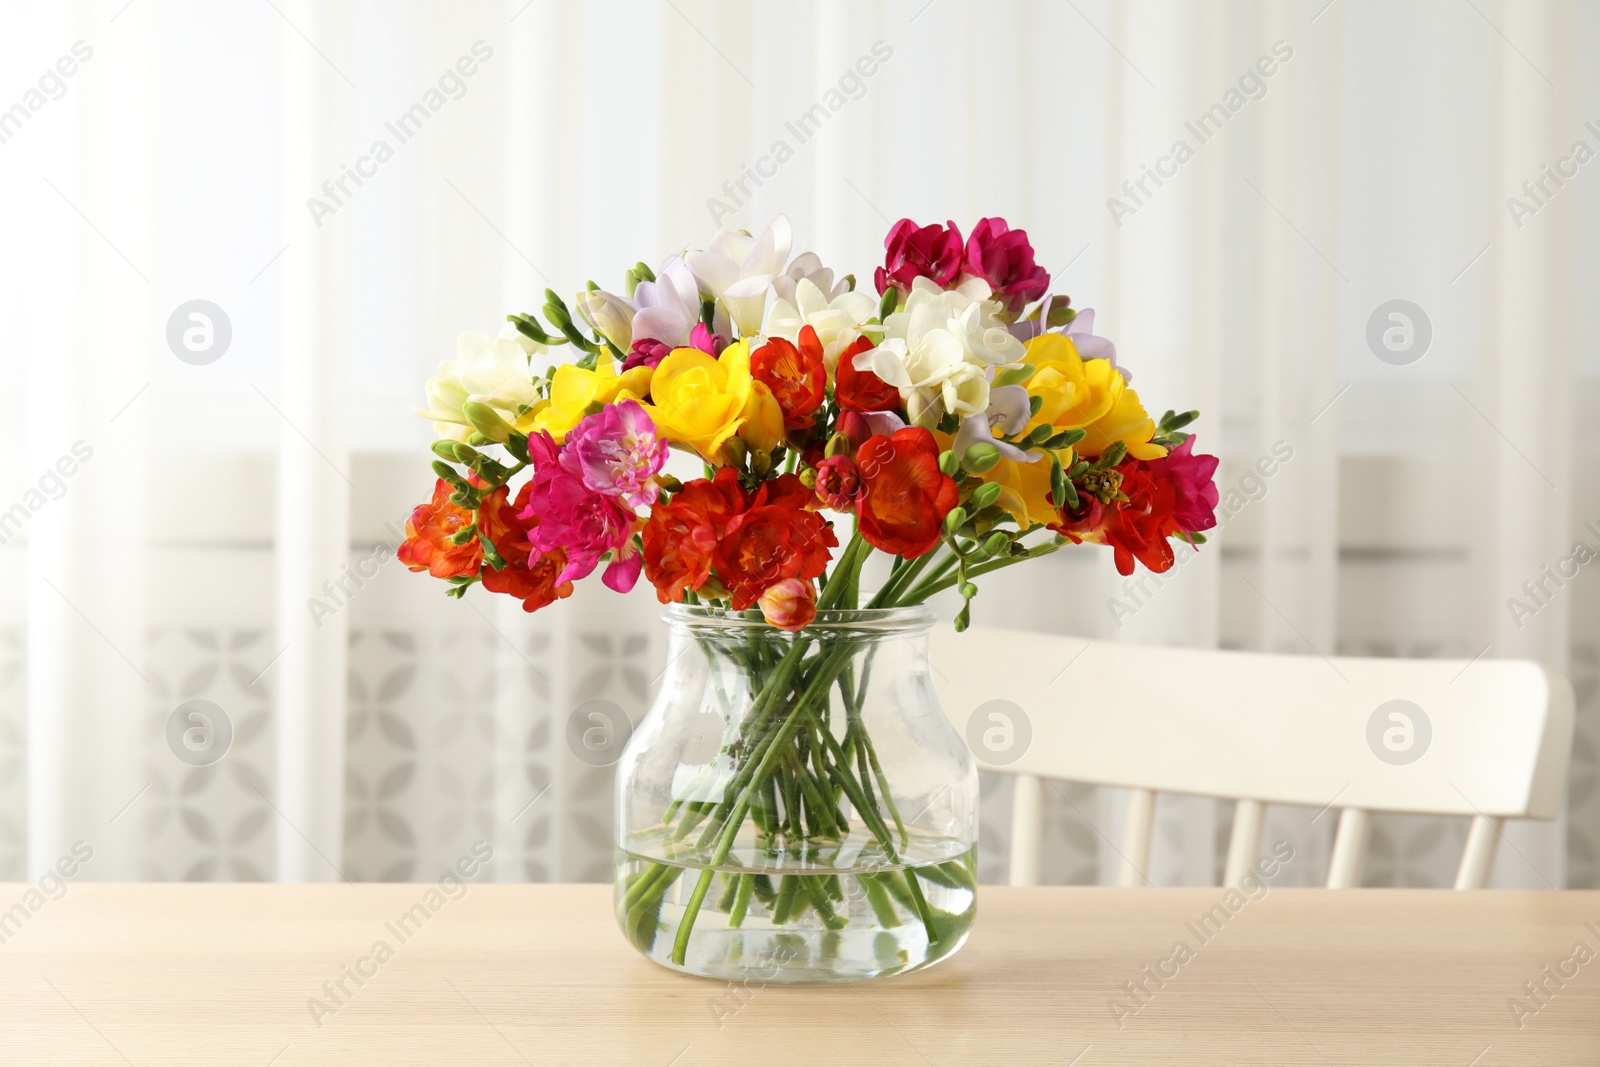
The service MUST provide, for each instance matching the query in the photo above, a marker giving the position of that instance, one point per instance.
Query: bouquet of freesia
(962, 420)
(948, 417)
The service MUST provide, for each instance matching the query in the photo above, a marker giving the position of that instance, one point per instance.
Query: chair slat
(1027, 820)
(1136, 838)
(1349, 848)
(1477, 859)
(1244, 845)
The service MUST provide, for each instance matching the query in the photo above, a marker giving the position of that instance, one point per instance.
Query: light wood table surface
(221, 974)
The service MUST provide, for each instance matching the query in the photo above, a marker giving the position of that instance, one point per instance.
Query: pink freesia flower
(1193, 486)
(1003, 257)
(927, 252)
(564, 513)
(706, 341)
(616, 452)
(646, 352)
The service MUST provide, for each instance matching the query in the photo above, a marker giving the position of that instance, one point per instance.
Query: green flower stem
(741, 900)
(878, 897)
(777, 740)
(874, 821)
(939, 583)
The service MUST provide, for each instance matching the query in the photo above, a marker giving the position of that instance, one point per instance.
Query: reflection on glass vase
(796, 807)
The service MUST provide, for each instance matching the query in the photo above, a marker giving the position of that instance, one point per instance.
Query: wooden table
(222, 974)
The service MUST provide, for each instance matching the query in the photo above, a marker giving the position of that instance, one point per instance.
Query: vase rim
(908, 619)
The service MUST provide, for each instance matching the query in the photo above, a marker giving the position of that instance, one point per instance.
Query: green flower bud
(890, 301)
(968, 590)
(465, 534)
(996, 544)
(448, 473)
(485, 420)
(947, 463)
(1013, 375)
(980, 457)
(837, 445)
(983, 496)
(529, 326)
(1065, 439)
(955, 520)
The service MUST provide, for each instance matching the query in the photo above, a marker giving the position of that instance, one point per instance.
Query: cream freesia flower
(491, 371)
(938, 350)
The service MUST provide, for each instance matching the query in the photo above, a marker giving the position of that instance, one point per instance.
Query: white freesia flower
(739, 269)
(610, 314)
(807, 267)
(490, 371)
(669, 306)
(939, 348)
(837, 320)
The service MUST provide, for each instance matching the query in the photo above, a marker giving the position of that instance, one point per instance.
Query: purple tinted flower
(615, 452)
(1003, 257)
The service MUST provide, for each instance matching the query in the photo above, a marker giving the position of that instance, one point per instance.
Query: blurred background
(238, 237)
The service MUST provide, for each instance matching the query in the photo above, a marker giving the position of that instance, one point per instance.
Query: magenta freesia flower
(1003, 257)
(920, 252)
(565, 513)
(1193, 488)
(616, 452)
(706, 341)
(646, 352)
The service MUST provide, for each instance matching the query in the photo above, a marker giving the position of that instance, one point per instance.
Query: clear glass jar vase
(796, 807)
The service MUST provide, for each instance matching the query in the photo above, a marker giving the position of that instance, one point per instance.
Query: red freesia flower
(680, 536)
(1136, 528)
(778, 536)
(1003, 257)
(926, 252)
(904, 495)
(838, 482)
(533, 584)
(861, 390)
(427, 546)
(1194, 490)
(796, 376)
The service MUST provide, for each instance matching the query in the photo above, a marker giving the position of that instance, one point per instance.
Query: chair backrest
(1482, 738)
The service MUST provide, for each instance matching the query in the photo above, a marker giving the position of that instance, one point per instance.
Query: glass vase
(795, 807)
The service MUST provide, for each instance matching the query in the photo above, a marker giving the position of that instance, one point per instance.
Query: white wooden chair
(1260, 729)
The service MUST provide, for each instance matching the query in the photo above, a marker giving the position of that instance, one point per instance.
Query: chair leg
(1477, 860)
(1027, 822)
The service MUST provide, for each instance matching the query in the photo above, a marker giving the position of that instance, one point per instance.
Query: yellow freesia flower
(574, 391)
(1089, 395)
(705, 401)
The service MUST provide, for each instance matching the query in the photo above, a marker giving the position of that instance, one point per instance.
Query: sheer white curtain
(1339, 156)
